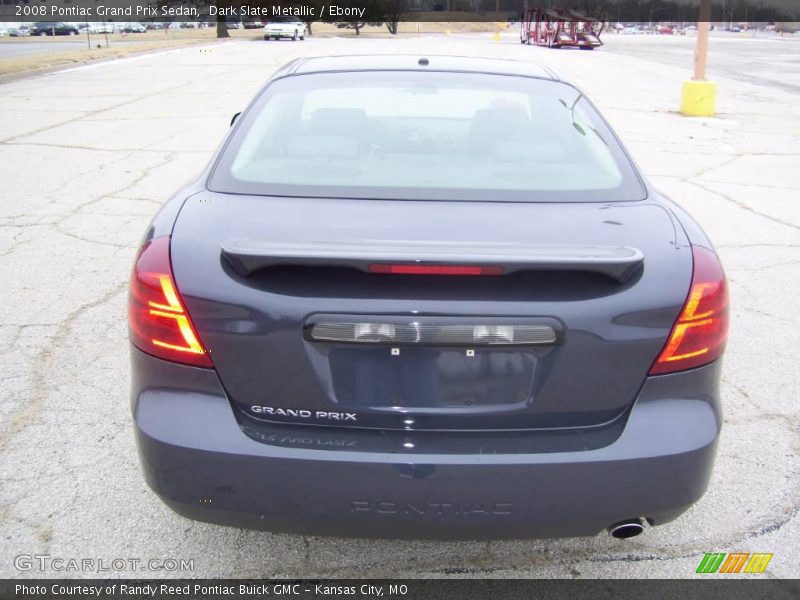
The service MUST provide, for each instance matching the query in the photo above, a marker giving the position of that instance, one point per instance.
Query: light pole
(699, 96)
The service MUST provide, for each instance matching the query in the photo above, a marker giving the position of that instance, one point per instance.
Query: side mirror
(233, 119)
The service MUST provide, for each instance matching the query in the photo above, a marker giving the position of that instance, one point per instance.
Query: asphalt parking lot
(87, 156)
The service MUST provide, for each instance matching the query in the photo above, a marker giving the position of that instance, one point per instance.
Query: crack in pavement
(485, 556)
(130, 150)
(84, 116)
(765, 186)
(26, 416)
(741, 205)
(755, 245)
(760, 268)
(60, 218)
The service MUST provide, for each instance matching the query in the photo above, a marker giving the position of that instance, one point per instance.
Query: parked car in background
(54, 28)
(101, 28)
(132, 28)
(285, 27)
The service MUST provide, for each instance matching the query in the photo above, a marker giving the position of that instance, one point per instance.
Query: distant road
(33, 47)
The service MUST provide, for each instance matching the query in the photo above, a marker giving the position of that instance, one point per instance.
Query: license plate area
(415, 377)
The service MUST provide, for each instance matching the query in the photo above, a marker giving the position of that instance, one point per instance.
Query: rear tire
(294, 37)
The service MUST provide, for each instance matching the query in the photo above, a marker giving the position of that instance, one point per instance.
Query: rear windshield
(424, 135)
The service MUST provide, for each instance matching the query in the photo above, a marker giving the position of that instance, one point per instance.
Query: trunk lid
(299, 329)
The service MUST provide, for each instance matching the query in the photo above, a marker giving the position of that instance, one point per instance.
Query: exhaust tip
(626, 529)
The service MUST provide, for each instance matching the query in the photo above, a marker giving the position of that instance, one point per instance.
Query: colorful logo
(734, 562)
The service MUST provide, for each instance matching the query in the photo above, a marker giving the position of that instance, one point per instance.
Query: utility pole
(699, 96)
(701, 52)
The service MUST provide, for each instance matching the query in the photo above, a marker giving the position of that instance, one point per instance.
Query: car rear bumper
(318, 481)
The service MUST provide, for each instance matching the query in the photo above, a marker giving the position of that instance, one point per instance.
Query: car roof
(416, 62)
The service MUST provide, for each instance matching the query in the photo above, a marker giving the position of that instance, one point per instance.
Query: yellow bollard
(699, 98)
(496, 36)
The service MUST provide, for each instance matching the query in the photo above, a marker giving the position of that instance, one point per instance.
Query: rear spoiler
(247, 255)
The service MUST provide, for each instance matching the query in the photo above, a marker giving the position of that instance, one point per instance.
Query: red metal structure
(557, 27)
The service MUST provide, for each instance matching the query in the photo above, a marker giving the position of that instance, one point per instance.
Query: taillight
(158, 321)
(698, 336)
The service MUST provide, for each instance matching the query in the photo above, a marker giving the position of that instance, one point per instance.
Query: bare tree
(372, 15)
(222, 20)
(316, 6)
(394, 11)
(222, 27)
